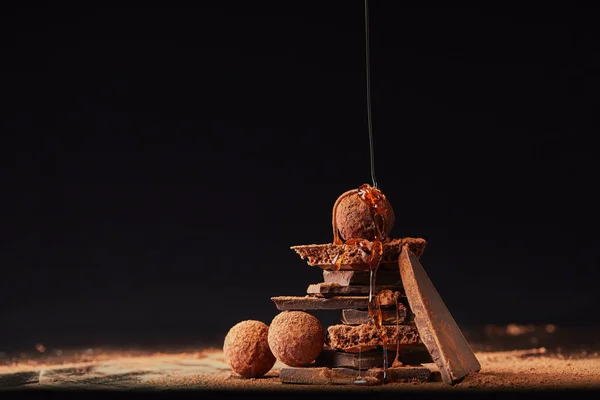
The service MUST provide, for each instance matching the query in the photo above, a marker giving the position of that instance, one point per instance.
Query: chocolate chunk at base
(346, 376)
(357, 317)
(348, 278)
(411, 355)
(325, 255)
(448, 347)
(350, 337)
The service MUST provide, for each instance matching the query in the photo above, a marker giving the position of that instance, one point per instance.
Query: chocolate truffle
(354, 220)
(246, 349)
(296, 338)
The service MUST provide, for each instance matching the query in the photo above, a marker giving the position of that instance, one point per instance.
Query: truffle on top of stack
(356, 343)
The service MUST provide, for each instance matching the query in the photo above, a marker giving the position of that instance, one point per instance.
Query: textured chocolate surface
(325, 255)
(350, 337)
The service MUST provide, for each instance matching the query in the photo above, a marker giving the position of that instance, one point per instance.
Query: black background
(158, 162)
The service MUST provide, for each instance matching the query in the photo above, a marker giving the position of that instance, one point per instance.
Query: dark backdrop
(158, 162)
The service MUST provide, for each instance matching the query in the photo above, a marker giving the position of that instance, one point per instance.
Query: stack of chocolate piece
(354, 347)
(393, 320)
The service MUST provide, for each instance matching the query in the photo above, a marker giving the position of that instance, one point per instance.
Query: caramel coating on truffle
(246, 349)
(296, 338)
(354, 220)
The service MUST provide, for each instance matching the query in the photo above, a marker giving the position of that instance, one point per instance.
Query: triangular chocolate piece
(439, 332)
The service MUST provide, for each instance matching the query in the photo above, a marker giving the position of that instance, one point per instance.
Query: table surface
(512, 357)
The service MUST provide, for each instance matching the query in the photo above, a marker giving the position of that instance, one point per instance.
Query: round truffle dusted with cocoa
(354, 219)
(246, 349)
(296, 338)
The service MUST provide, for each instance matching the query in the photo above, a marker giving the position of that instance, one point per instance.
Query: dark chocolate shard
(348, 278)
(413, 355)
(357, 317)
(333, 289)
(346, 376)
(325, 255)
(439, 332)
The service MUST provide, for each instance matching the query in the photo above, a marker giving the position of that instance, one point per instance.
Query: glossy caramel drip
(365, 247)
(371, 253)
(397, 362)
(377, 204)
(359, 378)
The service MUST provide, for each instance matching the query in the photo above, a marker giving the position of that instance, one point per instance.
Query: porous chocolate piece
(448, 347)
(412, 355)
(346, 376)
(319, 303)
(354, 219)
(246, 349)
(325, 255)
(357, 317)
(296, 338)
(349, 337)
(384, 277)
(333, 289)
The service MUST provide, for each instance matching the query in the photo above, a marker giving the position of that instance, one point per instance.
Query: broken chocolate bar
(325, 255)
(350, 337)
